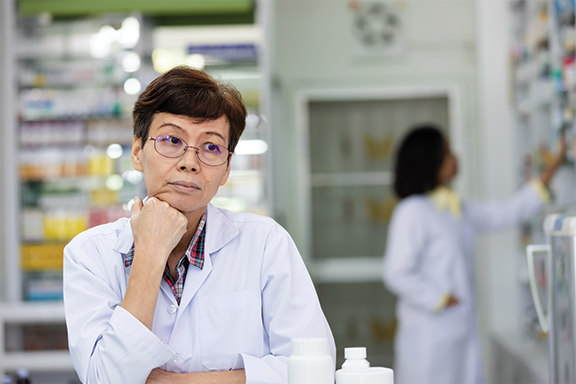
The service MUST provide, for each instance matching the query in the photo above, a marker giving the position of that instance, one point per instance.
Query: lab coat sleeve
(107, 344)
(487, 216)
(402, 271)
(291, 310)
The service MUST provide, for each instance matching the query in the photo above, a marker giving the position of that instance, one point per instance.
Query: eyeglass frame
(185, 148)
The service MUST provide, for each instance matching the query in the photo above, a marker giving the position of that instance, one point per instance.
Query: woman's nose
(189, 161)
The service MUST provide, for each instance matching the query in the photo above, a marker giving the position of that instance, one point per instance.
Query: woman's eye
(174, 140)
(212, 148)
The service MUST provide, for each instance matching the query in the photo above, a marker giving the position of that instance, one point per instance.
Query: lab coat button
(177, 359)
(171, 309)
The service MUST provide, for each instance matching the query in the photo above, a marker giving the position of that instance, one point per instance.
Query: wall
(497, 261)
(311, 43)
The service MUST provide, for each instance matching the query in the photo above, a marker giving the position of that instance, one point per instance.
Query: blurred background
(330, 86)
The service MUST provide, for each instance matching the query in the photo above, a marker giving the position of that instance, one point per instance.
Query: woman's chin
(182, 204)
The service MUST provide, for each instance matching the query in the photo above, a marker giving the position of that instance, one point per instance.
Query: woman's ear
(224, 178)
(136, 153)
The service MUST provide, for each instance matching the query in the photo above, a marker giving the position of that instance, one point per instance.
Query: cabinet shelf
(348, 270)
(51, 361)
(26, 313)
(351, 179)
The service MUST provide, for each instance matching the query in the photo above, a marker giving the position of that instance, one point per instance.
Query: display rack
(73, 166)
(74, 102)
(543, 55)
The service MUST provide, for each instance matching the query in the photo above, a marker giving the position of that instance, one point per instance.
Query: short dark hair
(190, 92)
(418, 161)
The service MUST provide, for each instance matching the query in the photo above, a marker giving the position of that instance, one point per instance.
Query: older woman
(184, 291)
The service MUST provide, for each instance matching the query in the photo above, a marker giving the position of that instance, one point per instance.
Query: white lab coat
(241, 311)
(430, 253)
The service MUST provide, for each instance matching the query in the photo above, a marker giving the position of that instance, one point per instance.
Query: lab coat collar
(219, 231)
(125, 239)
(446, 199)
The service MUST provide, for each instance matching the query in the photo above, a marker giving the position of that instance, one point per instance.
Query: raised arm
(493, 215)
(109, 320)
(548, 173)
(157, 229)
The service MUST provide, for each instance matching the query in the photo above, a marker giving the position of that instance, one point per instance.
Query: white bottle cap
(310, 347)
(355, 353)
(22, 372)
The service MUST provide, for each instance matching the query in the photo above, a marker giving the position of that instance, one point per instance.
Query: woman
(185, 291)
(429, 259)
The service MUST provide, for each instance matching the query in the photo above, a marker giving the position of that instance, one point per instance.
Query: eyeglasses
(174, 147)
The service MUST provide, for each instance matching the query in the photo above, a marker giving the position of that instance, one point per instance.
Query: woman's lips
(185, 186)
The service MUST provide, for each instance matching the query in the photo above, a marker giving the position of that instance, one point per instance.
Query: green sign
(63, 8)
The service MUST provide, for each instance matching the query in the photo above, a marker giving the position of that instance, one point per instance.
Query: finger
(137, 206)
(150, 199)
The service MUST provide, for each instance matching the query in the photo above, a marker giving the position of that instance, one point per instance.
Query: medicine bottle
(356, 370)
(310, 362)
(23, 376)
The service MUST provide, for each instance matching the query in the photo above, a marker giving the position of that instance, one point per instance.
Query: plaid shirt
(194, 256)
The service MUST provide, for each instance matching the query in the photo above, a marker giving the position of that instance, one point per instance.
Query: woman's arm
(549, 172)
(109, 333)
(157, 229)
(494, 215)
(107, 343)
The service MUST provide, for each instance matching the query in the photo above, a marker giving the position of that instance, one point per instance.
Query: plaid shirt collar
(194, 256)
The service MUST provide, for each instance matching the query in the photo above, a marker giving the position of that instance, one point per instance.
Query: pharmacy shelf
(356, 269)
(52, 361)
(31, 312)
(351, 179)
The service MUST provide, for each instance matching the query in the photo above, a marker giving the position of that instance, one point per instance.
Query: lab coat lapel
(219, 231)
(125, 239)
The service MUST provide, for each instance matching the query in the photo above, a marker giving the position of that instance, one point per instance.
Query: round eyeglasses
(174, 147)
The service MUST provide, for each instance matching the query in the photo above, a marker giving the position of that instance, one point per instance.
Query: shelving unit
(75, 135)
(543, 55)
(73, 169)
(33, 313)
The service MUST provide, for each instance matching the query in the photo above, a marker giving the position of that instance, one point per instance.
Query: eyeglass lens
(172, 146)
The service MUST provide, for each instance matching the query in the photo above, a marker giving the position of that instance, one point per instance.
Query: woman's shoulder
(248, 221)
(414, 202)
(412, 208)
(102, 233)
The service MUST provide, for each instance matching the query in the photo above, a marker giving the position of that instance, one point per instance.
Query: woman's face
(184, 182)
(449, 168)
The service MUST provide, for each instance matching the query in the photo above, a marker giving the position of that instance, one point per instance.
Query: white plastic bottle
(310, 362)
(356, 370)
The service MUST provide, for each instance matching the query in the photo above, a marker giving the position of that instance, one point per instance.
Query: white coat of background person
(429, 259)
